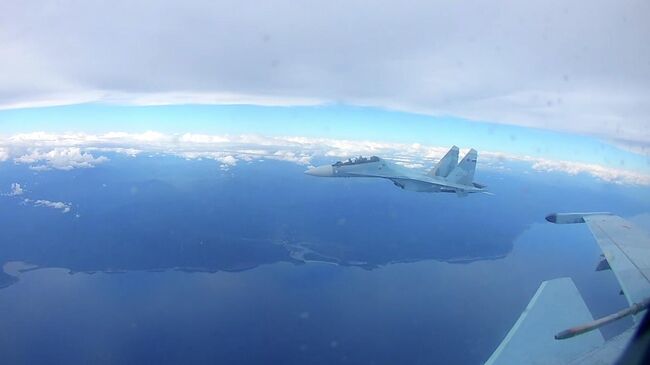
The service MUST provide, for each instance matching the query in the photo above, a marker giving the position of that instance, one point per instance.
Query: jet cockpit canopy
(357, 161)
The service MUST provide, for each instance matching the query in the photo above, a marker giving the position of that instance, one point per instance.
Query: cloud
(573, 66)
(202, 138)
(148, 136)
(66, 158)
(67, 151)
(64, 207)
(225, 98)
(228, 160)
(300, 158)
(125, 151)
(4, 154)
(16, 190)
(606, 174)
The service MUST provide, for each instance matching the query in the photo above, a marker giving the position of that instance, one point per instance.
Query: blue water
(175, 261)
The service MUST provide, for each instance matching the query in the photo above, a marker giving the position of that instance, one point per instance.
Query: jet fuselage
(402, 177)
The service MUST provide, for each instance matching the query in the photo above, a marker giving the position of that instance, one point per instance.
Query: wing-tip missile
(568, 218)
(578, 330)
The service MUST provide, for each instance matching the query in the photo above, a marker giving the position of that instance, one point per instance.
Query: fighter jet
(557, 327)
(448, 176)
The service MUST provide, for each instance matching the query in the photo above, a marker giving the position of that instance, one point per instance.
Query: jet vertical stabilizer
(446, 164)
(464, 172)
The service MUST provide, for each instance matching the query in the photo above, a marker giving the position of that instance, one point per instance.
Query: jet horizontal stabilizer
(556, 304)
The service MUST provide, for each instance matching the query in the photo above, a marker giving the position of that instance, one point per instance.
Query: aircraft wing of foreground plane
(448, 176)
(557, 327)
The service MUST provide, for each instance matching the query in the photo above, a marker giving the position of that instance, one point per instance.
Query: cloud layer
(42, 151)
(64, 207)
(65, 158)
(17, 190)
(576, 66)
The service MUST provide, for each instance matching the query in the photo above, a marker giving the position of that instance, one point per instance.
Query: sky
(329, 121)
(536, 80)
(579, 66)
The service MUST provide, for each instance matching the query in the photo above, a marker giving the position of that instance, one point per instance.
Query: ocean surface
(165, 260)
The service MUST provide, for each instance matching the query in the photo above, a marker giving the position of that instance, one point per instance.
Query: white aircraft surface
(448, 176)
(557, 327)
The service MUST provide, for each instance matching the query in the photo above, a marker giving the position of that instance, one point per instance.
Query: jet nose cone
(325, 170)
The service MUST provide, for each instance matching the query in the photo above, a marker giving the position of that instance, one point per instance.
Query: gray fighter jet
(448, 176)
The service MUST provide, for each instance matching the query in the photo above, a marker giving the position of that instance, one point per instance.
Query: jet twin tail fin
(446, 164)
(464, 172)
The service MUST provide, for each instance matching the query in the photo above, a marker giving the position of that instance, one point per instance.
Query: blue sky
(325, 121)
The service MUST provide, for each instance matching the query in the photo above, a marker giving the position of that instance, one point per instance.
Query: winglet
(568, 218)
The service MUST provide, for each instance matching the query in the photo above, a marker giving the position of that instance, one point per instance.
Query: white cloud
(202, 138)
(171, 98)
(60, 158)
(228, 160)
(291, 156)
(71, 150)
(576, 66)
(610, 175)
(125, 151)
(4, 154)
(64, 207)
(38, 139)
(16, 190)
(148, 137)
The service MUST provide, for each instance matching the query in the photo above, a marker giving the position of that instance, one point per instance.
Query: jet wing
(557, 304)
(424, 180)
(625, 246)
